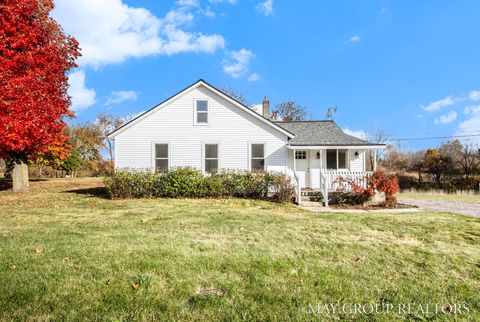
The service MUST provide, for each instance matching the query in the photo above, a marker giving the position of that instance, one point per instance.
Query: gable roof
(322, 133)
(197, 84)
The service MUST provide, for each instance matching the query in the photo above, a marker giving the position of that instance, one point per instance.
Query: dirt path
(457, 207)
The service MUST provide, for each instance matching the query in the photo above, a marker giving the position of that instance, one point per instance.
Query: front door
(301, 160)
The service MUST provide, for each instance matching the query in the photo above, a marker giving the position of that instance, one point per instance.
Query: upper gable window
(201, 112)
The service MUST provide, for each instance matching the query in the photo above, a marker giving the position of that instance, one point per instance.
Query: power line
(429, 133)
(437, 137)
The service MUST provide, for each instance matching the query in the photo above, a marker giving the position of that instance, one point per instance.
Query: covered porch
(330, 168)
(323, 158)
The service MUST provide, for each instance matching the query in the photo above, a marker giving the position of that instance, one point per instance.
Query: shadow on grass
(98, 192)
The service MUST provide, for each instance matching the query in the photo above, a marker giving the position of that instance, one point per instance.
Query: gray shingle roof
(320, 133)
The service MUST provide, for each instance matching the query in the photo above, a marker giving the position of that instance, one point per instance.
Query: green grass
(439, 196)
(68, 253)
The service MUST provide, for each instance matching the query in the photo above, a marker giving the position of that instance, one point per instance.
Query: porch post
(297, 190)
(375, 160)
(294, 162)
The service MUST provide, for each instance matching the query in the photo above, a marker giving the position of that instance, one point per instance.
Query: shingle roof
(320, 133)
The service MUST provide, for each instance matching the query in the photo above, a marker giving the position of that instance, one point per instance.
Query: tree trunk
(20, 177)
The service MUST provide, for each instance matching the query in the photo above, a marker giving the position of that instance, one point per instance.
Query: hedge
(192, 183)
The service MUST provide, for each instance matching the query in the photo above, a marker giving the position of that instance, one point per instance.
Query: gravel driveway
(457, 207)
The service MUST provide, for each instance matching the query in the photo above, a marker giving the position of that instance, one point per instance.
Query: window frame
(303, 154)
(204, 156)
(337, 160)
(346, 159)
(154, 155)
(251, 157)
(195, 112)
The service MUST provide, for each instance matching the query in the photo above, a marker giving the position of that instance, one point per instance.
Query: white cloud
(82, 97)
(434, 106)
(188, 3)
(180, 41)
(223, 1)
(470, 127)
(110, 31)
(209, 13)
(358, 134)
(474, 95)
(266, 7)
(237, 63)
(253, 77)
(257, 108)
(447, 118)
(354, 38)
(471, 109)
(121, 96)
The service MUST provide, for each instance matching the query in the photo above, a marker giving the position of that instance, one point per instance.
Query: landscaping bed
(373, 207)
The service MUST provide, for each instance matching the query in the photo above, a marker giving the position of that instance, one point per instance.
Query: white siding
(357, 164)
(230, 127)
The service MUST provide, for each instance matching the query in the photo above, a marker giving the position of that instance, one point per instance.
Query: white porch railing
(343, 180)
(324, 186)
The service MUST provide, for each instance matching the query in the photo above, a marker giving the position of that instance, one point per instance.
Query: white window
(201, 112)
(211, 158)
(301, 155)
(161, 157)
(258, 157)
(336, 159)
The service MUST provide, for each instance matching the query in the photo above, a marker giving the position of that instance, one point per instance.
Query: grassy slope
(437, 196)
(271, 261)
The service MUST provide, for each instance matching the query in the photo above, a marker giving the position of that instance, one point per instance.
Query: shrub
(282, 188)
(349, 193)
(387, 183)
(348, 198)
(131, 184)
(191, 183)
(180, 182)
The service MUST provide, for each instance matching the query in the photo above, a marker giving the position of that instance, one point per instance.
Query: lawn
(69, 253)
(440, 196)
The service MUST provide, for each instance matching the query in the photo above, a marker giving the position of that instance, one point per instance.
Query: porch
(320, 170)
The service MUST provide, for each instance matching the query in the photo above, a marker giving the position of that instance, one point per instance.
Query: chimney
(266, 108)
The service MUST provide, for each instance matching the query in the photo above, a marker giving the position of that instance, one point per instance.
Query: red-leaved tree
(35, 56)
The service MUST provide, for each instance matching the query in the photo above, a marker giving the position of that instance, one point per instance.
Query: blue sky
(410, 67)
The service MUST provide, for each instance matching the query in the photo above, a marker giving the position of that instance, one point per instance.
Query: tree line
(453, 165)
(90, 151)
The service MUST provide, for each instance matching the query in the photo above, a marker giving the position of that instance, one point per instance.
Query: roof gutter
(324, 147)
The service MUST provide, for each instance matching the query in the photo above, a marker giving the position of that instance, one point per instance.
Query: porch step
(316, 198)
(310, 193)
(312, 204)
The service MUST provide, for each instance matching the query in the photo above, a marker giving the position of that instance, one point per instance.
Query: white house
(204, 128)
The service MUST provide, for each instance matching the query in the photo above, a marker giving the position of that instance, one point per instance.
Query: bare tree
(394, 159)
(236, 95)
(106, 124)
(378, 135)
(289, 111)
(415, 163)
(469, 160)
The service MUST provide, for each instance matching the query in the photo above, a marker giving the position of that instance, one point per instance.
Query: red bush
(387, 183)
